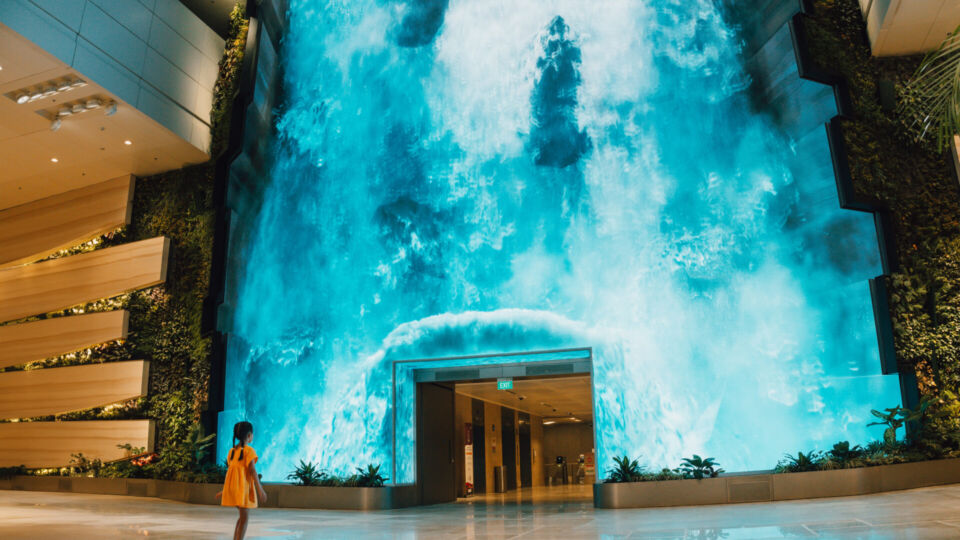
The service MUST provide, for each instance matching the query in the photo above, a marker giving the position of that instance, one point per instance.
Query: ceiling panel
(558, 398)
(89, 147)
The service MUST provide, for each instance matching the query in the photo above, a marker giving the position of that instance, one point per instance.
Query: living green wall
(918, 183)
(165, 321)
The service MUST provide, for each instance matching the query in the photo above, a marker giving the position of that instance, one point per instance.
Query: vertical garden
(165, 321)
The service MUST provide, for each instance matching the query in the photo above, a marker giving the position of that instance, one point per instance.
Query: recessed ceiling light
(22, 98)
(55, 160)
(128, 143)
(93, 104)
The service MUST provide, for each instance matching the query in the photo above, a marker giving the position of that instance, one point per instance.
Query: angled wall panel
(43, 287)
(49, 444)
(41, 392)
(36, 229)
(28, 342)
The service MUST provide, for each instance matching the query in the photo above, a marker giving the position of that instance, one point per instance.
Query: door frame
(406, 374)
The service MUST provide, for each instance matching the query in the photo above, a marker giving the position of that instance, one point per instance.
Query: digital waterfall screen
(483, 176)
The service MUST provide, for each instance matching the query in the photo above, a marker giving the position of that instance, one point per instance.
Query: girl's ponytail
(240, 432)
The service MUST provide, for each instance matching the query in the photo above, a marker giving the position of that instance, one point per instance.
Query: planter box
(777, 487)
(278, 495)
(340, 498)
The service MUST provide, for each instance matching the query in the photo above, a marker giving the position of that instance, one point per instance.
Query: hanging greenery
(930, 101)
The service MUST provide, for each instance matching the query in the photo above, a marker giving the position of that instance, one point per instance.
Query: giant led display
(494, 176)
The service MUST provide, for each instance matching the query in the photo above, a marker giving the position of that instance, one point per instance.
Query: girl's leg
(241, 530)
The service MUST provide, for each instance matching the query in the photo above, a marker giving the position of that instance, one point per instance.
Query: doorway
(502, 440)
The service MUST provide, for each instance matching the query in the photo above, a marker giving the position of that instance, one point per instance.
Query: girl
(242, 478)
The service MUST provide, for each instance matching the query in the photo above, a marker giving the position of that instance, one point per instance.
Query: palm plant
(810, 461)
(624, 471)
(699, 468)
(930, 102)
(307, 474)
(369, 477)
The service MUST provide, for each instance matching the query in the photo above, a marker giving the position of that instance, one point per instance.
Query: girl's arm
(261, 494)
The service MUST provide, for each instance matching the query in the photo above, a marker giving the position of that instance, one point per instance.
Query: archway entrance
(514, 428)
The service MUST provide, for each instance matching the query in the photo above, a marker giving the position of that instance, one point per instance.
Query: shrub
(624, 470)
(9, 472)
(699, 468)
(307, 474)
(369, 477)
(810, 461)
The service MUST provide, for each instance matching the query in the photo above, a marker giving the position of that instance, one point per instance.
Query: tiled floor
(922, 513)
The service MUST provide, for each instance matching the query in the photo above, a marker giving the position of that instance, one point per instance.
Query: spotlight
(128, 143)
(93, 104)
(111, 109)
(22, 98)
(64, 111)
(55, 160)
(36, 95)
(55, 125)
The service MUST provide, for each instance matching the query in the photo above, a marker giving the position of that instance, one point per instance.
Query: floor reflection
(564, 512)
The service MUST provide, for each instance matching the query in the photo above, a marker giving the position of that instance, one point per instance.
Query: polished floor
(922, 513)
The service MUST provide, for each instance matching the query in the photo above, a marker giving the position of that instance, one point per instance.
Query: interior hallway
(929, 513)
(573, 494)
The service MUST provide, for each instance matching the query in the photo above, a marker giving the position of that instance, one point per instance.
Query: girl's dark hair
(240, 432)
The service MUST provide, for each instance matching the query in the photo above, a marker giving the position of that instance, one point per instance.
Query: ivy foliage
(165, 321)
(918, 183)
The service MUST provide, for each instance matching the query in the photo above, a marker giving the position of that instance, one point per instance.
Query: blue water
(487, 176)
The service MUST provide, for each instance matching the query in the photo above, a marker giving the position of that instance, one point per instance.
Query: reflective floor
(922, 513)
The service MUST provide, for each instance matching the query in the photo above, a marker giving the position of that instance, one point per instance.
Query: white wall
(898, 27)
(155, 55)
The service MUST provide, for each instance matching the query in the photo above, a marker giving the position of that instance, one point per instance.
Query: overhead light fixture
(47, 89)
(65, 111)
(128, 143)
(55, 160)
(55, 125)
(78, 108)
(93, 103)
(111, 109)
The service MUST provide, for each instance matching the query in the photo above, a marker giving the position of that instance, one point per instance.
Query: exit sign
(504, 384)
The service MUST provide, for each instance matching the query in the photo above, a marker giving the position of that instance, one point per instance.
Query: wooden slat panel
(36, 229)
(27, 342)
(49, 444)
(40, 392)
(59, 283)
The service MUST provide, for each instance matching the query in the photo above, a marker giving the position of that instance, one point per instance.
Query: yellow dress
(240, 488)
